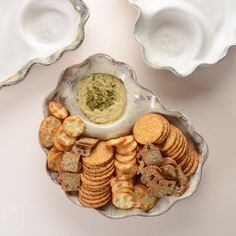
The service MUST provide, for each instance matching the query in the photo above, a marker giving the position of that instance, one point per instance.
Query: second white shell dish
(35, 31)
(180, 35)
(140, 101)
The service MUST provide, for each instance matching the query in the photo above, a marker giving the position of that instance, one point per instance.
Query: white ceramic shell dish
(37, 32)
(141, 101)
(180, 35)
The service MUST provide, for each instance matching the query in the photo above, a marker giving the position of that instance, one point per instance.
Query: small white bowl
(141, 101)
(40, 32)
(181, 35)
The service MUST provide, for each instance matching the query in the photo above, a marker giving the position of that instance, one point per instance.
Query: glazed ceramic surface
(37, 32)
(140, 101)
(180, 35)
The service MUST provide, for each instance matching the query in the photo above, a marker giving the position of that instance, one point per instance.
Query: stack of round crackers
(125, 156)
(155, 129)
(98, 169)
(177, 148)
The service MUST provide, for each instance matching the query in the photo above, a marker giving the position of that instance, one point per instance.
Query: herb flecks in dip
(102, 98)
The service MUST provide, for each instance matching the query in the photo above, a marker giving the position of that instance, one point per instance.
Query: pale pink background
(31, 205)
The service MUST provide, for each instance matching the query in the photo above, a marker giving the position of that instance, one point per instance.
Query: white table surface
(30, 204)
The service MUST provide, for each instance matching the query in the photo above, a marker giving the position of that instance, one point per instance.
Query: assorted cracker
(132, 171)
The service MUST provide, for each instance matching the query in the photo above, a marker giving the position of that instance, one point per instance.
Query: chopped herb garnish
(101, 94)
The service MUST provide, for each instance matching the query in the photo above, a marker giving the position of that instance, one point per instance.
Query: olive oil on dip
(102, 98)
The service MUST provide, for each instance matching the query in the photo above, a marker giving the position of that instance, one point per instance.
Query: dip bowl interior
(140, 101)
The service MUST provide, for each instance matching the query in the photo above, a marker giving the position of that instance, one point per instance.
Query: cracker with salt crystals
(100, 155)
(73, 126)
(47, 131)
(148, 128)
(57, 110)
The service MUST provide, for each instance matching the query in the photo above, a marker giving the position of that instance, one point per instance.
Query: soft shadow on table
(202, 81)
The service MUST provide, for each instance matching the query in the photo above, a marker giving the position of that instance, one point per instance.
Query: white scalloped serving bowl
(181, 35)
(140, 101)
(35, 31)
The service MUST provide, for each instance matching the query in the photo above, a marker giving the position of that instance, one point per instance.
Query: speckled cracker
(126, 157)
(94, 204)
(116, 141)
(190, 163)
(54, 161)
(94, 193)
(125, 149)
(122, 166)
(130, 172)
(148, 128)
(117, 184)
(99, 170)
(57, 110)
(123, 200)
(165, 133)
(176, 148)
(171, 139)
(87, 195)
(53, 151)
(61, 147)
(63, 139)
(99, 178)
(194, 166)
(181, 151)
(73, 126)
(47, 131)
(128, 139)
(139, 191)
(96, 187)
(98, 174)
(94, 199)
(92, 183)
(100, 155)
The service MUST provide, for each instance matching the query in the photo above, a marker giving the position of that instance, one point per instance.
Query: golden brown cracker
(126, 157)
(148, 128)
(123, 200)
(100, 155)
(125, 149)
(57, 110)
(54, 161)
(99, 178)
(62, 138)
(121, 166)
(194, 166)
(116, 141)
(73, 126)
(166, 129)
(90, 204)
(139, 191)
(47, 131)
(171, 139)
(190, 164)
